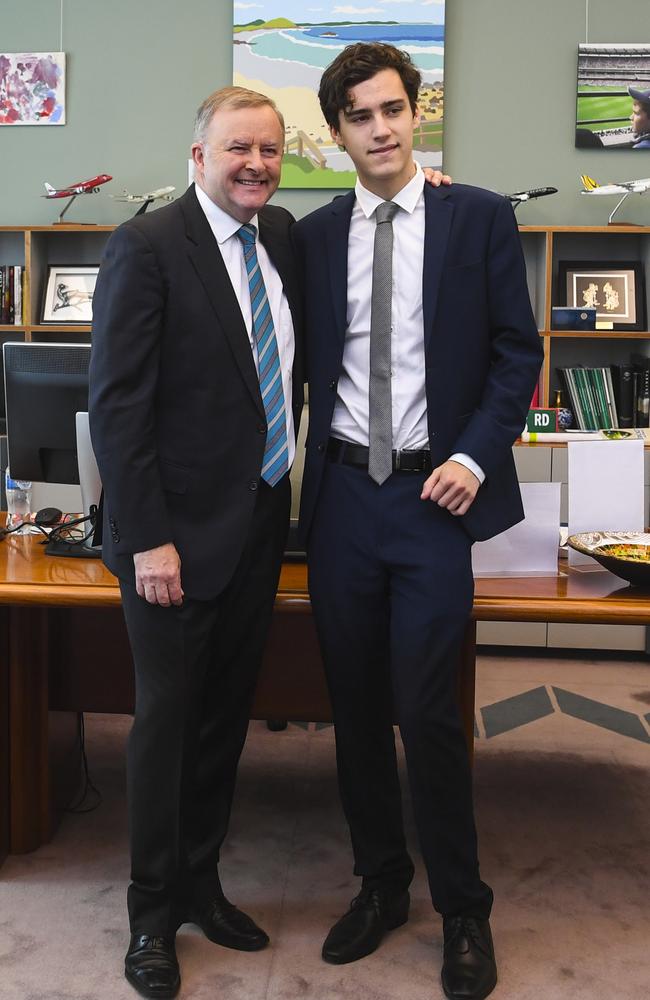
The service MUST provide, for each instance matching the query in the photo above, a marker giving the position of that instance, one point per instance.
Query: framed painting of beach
(281, 48)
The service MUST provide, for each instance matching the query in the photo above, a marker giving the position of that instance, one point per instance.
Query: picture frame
(616, 288)
(69, 291)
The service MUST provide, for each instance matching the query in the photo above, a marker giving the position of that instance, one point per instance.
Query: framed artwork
(608, 78)
(69, 294)
(615, 289)
(32, 88)
(283, 50)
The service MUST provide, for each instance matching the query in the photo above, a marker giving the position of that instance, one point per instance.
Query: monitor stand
(57, 547)
(91, 488)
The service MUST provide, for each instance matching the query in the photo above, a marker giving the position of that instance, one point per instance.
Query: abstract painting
(32, 88)
(281, 48)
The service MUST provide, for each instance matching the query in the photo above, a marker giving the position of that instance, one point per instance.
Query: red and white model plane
(91, 186)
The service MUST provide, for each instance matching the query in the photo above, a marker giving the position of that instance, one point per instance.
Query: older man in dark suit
(422, 354)
(196, 391)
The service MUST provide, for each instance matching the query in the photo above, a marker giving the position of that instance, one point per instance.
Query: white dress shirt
(408, 391)
(225, 229)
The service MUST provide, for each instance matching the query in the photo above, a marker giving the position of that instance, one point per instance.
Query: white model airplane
(144, 200)
(590, 186)
(518, 196)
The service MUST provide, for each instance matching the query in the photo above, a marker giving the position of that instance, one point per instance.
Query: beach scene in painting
(281, 48)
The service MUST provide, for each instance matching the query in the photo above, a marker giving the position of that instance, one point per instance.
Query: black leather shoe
(469, 971)
(224, 924)
(360, 931)
(151, 966)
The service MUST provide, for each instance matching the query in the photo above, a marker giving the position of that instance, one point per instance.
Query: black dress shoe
(224, 924)
(360, 931)
(469, 971)
(151, 966)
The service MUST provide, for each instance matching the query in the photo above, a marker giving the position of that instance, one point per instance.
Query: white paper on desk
(530, 547)
(605, 490)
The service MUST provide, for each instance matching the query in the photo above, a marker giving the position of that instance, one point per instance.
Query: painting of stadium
(281, 48)
(612, 82)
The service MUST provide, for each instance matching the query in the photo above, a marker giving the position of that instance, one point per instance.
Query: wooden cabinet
(544, 248)
(36, 248)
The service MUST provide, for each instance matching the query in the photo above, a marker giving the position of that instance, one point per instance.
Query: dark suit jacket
(482, 348)
(177, 420)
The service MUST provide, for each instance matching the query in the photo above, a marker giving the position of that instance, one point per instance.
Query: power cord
(88, 786)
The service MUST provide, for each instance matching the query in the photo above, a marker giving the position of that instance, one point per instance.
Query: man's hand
(436, 177)
(453, 486)
(158, 575)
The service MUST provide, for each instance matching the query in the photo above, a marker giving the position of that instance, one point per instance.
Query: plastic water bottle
(19, 500)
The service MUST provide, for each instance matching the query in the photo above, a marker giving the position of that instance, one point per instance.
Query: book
(624, 393)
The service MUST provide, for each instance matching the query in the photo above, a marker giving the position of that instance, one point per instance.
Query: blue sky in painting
(414, 11)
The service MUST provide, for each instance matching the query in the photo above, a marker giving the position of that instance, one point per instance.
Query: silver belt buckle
(398, 456)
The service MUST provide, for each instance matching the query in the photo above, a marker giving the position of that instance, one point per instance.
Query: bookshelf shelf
(596, 334)
(544, 247)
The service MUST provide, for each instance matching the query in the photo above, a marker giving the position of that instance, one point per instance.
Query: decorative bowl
(624, 553)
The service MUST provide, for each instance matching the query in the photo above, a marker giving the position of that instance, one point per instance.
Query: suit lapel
(438, 213)
(206, 258)
(337, 258)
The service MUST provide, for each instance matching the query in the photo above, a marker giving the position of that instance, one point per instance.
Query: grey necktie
(380, 408)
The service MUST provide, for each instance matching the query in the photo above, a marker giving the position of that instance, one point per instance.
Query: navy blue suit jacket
(482, 348)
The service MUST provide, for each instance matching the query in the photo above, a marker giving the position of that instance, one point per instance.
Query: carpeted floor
(561, 783)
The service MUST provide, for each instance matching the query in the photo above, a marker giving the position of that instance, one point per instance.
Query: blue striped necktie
(276, 453)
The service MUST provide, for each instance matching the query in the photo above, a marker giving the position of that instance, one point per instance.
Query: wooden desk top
(29, 577)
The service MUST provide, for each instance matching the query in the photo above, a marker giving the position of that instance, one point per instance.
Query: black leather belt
(357, 454)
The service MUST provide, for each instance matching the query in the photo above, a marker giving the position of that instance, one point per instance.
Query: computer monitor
(46, 388)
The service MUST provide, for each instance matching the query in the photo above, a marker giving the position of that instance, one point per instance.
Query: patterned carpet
(563, 814)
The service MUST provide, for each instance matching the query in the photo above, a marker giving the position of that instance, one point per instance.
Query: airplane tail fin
(49, 188)
(589, 183)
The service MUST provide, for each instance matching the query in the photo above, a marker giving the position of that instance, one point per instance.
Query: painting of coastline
(281, 48)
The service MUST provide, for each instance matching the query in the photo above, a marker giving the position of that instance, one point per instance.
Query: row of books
(11, 294)
(608, 397)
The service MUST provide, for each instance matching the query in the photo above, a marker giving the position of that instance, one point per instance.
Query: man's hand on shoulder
(451, 485)
(158, 575)
(436, 177)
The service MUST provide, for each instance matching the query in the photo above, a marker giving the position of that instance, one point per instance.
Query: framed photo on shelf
(615, 289)
(69, 294)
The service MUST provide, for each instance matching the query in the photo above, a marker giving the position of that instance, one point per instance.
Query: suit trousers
(391, 588)
(196, 668)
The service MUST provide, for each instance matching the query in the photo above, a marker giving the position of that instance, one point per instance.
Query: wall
(137, 70)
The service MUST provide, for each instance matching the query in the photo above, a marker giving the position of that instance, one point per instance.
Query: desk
(64, 649)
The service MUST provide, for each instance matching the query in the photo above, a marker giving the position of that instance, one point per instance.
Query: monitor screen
(45, 386)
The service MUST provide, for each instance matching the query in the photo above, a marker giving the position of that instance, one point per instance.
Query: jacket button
(333, 384)
(261, 429)
(321, 448)
(253, 485)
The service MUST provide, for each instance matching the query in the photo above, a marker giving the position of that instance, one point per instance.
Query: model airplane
(90, 186)
(590, 186)
(144, 200)
(518, 196)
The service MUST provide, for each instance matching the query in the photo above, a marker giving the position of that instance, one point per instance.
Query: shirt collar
(407, 198)
(223, 225)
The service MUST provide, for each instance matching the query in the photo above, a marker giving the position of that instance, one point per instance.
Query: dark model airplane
(518, 196)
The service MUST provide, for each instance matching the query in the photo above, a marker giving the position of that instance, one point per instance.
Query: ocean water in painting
(316, 46)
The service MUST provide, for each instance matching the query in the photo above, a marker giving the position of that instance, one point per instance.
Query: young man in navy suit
(422, 355)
